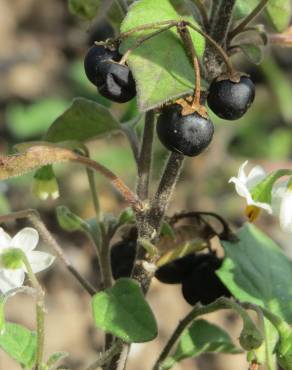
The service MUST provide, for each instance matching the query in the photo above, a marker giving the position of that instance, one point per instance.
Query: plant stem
(221, 303)
(221, 15)
(115, 180)
(147, 26)
(145, 157)
(238, 29)
(33, 216)
(104, 257)
(203, 12)
(94, 194)
(165, 189)
(106, 356)
(40, 313)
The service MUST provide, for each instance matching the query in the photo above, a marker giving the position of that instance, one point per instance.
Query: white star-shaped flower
(25, 240)
(282, 204)
(244, 183)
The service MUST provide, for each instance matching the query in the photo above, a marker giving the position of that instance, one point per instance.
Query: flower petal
(26, 239)
(256, 175)
(241, 173)
(5, 239)
(241, 189)
(11, 279)
(286, 212)
(40, 260)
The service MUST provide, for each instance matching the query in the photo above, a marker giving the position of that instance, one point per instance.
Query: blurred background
(41, 70)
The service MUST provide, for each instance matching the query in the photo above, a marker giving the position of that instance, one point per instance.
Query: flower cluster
(12, 269)
(280, 202)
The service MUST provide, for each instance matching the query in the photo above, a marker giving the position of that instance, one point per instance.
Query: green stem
(145, 157)
(94, 194)
(40, 313)
(106, 356)
(221, 303)
(240, 28)
(203, 12)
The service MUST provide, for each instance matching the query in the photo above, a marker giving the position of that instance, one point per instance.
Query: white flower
(26, 240)
(245, 183)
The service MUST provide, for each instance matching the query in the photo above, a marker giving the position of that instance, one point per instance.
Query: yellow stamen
(252, 213)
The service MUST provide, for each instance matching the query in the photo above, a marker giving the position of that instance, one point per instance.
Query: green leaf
(279, 13)
(19, 343)
(256, 270)
(244, 8)
(253, 53)
(56, 357)
(160, 65)
(123, 311)
(201, 337)
(262, 192)
(83, 120)
(86, 9)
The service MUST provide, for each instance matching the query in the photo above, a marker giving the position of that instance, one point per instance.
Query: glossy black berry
(202, 284)
(122, 258)
(95, 55)
(230, 100)
(188, 135)
(174, 272)
(113, 80)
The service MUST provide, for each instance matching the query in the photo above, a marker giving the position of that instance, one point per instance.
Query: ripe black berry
(113, 80)
(189, 134)
(174, 272)
(122, 258)
(230, 100)
(202, 284)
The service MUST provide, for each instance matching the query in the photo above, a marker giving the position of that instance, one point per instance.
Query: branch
(257, 10)
(145, 157)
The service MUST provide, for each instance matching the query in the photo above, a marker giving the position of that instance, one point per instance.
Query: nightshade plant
(169, 54)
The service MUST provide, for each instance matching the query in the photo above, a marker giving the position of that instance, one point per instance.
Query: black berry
(174, 272)
(202, 284)
(189, 134)
(113, 80)
(230, 100)
(122, 258)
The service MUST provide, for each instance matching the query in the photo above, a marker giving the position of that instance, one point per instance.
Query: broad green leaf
(86, 9)
(160, 65)
(256, 270)
(279, 13)
(253, 53)
(201, 337)
(83, 120)
(123, 311)
(244, 8)
(19, 343)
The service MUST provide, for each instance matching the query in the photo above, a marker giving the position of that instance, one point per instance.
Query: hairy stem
(221, 15)
(94, 194)
(145, 157)
(105, 356)
(257, 10)
(203, 12)
(33, 216)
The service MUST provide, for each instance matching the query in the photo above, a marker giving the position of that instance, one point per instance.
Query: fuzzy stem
(105, 356)
(147, 26)
(33, 216)
(94, 194)
(238, 29)
(145, 157)
(115, 180)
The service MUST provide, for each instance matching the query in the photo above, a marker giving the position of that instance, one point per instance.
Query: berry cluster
(113, 80)
(196, 273)
(187, 132)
